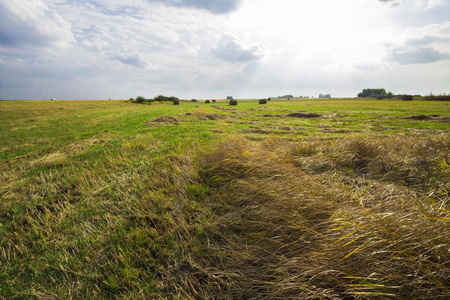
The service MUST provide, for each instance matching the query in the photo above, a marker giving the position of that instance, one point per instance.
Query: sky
(121, 49)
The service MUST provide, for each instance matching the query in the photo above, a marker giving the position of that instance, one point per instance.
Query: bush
(161, 98)
(140, 99)
(442, 97)
(164, 98)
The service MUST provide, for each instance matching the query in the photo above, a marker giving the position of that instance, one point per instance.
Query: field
(298, 199)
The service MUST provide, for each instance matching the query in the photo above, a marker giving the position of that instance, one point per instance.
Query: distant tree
(160, 98)
(285, 96)
(438, 97)
(140, 99)
(165, 98)
(173, 99)
(372, 93)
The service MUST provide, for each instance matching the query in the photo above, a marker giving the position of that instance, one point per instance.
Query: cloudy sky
(117, 49)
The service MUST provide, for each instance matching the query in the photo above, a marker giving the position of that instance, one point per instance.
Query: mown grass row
(98, 201)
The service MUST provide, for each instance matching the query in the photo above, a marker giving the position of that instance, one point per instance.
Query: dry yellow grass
(282, 228)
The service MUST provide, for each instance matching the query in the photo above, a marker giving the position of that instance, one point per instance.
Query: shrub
(140, 99)
(442, 97)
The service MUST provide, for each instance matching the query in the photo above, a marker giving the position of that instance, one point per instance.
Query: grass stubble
(223, 204)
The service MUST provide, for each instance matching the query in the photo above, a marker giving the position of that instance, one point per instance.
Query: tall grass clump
(355, 228)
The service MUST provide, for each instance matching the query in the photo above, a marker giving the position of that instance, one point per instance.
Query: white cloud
(192, 49)
(418, 55)
(213, 6)
(231, 49)
(420, 45)
(417, 3)
(31, 22)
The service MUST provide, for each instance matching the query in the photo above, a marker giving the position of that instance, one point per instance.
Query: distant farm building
(229, 97)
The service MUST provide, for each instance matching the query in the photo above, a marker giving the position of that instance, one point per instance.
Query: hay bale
(407, 98)
(233, 102)
(214, 101)
(176, 102)
(207, 101)
(262, 101)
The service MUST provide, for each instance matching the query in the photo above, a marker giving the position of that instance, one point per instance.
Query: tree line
(375, 93)
(159, 98)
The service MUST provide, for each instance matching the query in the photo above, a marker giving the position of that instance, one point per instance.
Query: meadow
(295, 199)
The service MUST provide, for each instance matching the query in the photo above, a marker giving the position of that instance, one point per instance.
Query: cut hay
(214, 117)
(163, 121)
(419, 117)
(283, 230)
(303, 115)
(51, 160)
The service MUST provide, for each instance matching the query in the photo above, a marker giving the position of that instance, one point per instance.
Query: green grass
(109, 199)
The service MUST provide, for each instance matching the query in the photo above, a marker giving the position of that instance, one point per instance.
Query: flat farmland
(301, 198)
